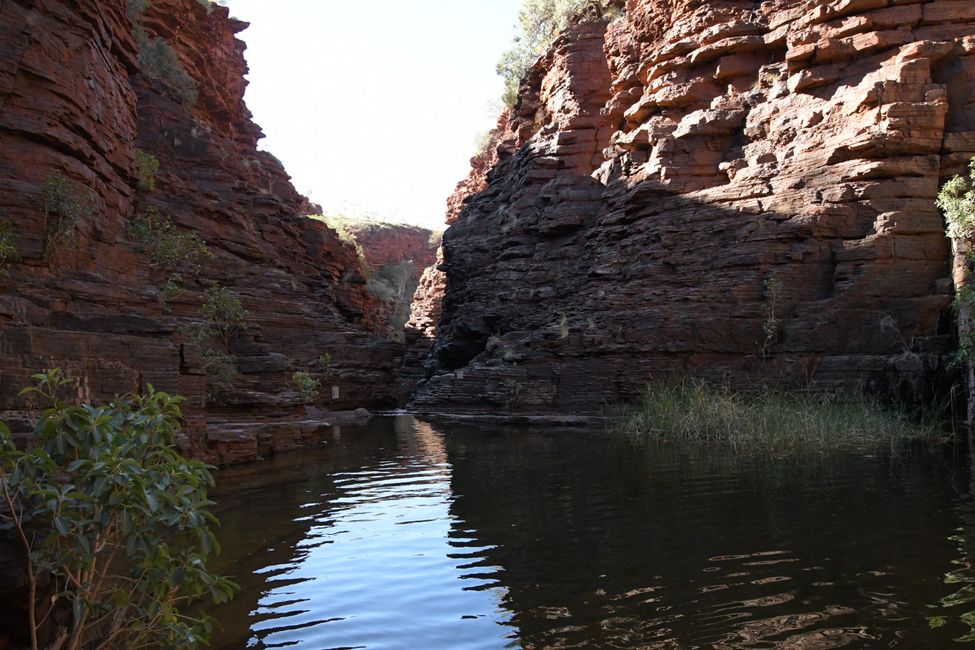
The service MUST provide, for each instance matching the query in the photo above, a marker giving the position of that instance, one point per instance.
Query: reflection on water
(399, 535)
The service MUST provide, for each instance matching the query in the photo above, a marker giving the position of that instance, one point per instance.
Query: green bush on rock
(223, 316)
(169, 249)
(65, 204)
(8, 247)
(148, 168)
(307, 385)
(957, 202)
(223, 312)
(114, 522)
(160, 62)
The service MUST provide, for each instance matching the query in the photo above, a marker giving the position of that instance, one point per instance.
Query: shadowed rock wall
(731, 189)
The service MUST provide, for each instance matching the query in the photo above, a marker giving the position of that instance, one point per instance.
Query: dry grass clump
(768, 420)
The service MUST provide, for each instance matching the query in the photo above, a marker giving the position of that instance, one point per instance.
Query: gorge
(736, 191)
(726, 189)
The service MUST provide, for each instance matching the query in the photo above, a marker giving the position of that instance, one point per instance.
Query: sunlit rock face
(397, 256)
(77, 101)
(733, 189)
(388, 243)
(421, 329)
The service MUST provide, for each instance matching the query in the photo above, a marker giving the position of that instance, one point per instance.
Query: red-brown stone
(658, 172)
(74, 101)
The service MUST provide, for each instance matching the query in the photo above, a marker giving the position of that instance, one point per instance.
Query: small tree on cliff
(542, 21)
(113, 522)
(957, 201)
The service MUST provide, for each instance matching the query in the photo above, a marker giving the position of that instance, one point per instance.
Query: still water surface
(401, 534)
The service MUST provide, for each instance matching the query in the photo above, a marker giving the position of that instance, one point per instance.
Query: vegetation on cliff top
(114, 523)
(393, 283)
(345, 228)
(541, 22)
(766, 420)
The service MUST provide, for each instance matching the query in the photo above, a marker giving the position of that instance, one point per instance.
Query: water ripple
(395, 536)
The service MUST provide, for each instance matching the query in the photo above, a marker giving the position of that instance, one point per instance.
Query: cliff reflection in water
(353, 545)
(400, 535)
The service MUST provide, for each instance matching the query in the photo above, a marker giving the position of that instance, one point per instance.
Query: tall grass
(768, 420)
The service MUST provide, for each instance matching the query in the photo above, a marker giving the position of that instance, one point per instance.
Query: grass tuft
(768, 421)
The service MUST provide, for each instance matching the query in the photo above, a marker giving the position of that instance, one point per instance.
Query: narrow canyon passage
(687, 367)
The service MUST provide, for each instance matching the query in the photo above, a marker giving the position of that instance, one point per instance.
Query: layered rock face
(731, 189)
(397, 256)
(421, 328)
(83, 87)
(390, 243)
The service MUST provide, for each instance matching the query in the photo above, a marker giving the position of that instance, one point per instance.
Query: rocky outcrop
(84, 87)
(732, 189)
(384, 244)
(395, 255)
(421, 329)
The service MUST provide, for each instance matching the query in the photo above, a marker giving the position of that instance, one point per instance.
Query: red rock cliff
(390, 243)
(728, 188)
(76, 103)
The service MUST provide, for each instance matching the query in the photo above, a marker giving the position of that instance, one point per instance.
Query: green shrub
(65, 204)
(172, 287)
(220, 366)
(223, 315)
(542, 21)
(957, 202)
(159, 61)
(767, 420)
(307, 385)
(8, 247)
(169, 249)
(114, 520)
(343, 227)
(148, 167)
(325, 361)
(223, 311)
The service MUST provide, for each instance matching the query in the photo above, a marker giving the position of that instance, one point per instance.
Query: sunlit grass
(768, 420)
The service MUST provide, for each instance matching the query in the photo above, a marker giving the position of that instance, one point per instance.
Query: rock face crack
(631, 210)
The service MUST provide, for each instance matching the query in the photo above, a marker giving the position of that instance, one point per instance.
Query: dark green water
(407, 535)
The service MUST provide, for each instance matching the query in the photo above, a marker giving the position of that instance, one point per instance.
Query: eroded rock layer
(397, 256)
(727, 188)
(384, 244)
(83, 87)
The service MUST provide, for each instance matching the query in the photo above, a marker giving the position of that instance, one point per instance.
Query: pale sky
(374, 106)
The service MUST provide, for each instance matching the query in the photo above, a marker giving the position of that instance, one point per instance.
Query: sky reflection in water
(400, 535)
